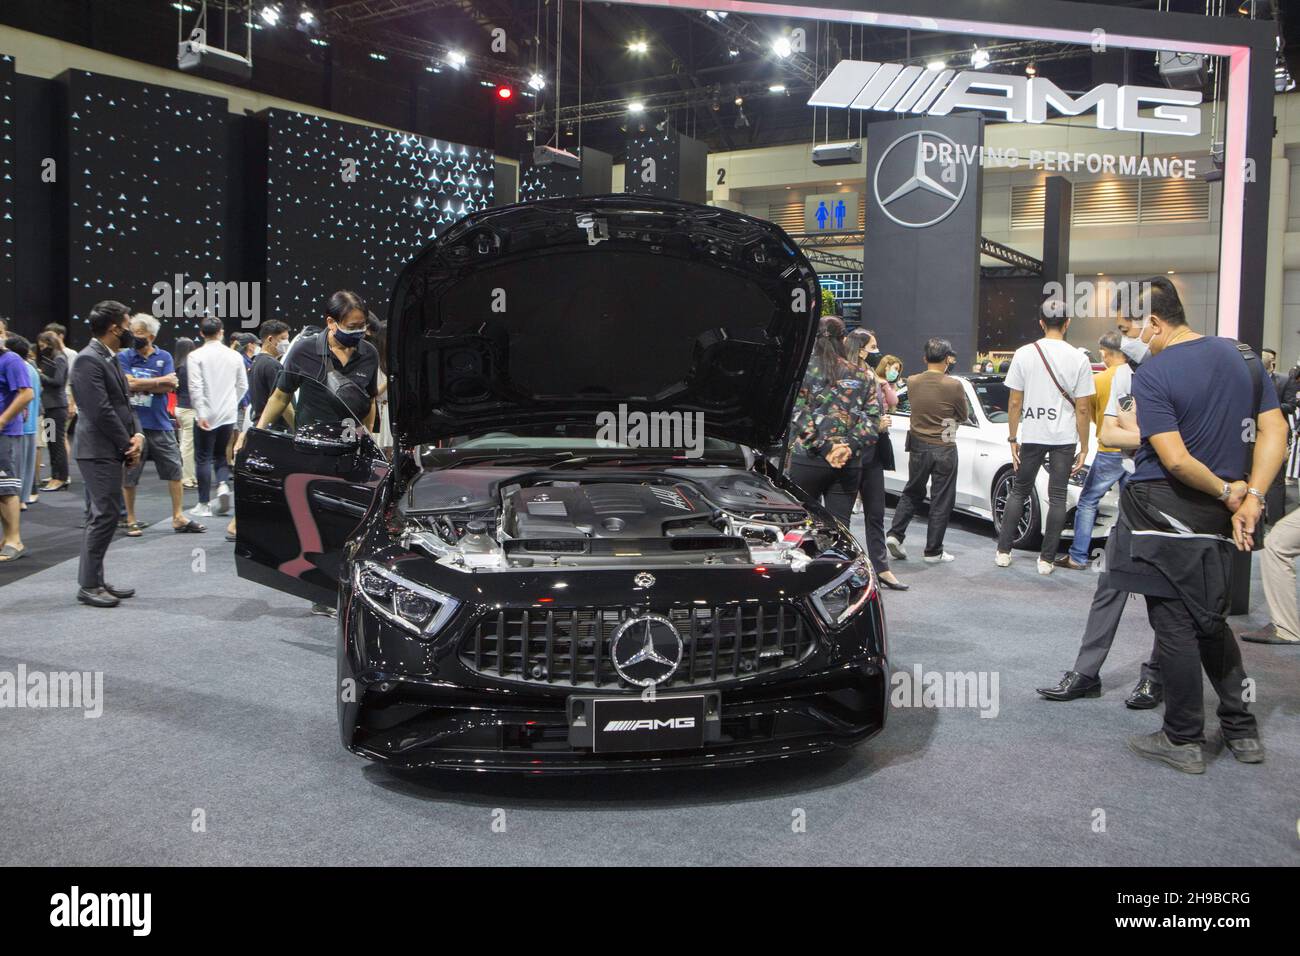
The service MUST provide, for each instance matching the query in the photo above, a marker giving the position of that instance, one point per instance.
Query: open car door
(301, 493)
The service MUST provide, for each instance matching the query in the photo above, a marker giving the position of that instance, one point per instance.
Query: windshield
(993, 399)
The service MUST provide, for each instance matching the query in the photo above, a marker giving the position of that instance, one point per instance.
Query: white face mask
(1135, 348)
(282, 347)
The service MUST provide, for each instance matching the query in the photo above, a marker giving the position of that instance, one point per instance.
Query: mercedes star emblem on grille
(644, 580)
(646, 650)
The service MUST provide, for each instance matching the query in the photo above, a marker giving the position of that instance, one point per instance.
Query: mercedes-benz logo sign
(646, 650)
(913, 198)
(644, 579)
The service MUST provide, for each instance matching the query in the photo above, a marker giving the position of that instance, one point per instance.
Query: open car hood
(543, 316)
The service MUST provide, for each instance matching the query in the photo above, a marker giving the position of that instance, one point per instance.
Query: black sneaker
(1246, 749)
(1185, 757)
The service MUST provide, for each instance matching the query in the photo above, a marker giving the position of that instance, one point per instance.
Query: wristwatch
(1257, 493)
(1013, 440)
(1226, 493)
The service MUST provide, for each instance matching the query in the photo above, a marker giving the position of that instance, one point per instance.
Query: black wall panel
(147, 176)
(8, 161)
(324, 233)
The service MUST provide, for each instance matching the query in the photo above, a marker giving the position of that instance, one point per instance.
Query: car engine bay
(493, 518)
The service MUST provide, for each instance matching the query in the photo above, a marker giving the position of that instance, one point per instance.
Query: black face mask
(873, 358)
(138, 343)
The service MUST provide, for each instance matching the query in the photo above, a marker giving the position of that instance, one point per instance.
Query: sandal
(10, 553)
(190, 527)
(133, 532)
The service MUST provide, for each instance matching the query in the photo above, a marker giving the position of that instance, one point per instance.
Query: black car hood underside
(553, 313)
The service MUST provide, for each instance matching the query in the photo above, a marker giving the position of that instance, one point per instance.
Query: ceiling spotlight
(568, 130)
(270, 14)
(733, 52)
(536, 82)
(504, 92)
(636, 106)
(433, 68)
(639, 46)
(715, 15)
(776, 88)
(318, 41)
(739, 101)
(979, 59)
(378, 56)
(456, 59)
(529, 136)
(781, 47)
(936, 65)
(741, 119)
(1031, 70)
(662, 124)
(307, 18)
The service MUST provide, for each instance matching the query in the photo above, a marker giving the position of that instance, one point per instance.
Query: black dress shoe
(118, 592)
(1147, 695)
(1072, 686)
(97, 598)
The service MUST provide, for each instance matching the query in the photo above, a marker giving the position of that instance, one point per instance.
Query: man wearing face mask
(265, 370)
(1195, 494)
(218, 382)
(108, 437)
(338, 358)
(151, 377)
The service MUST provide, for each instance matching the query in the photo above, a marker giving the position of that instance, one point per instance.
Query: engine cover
(608, 510)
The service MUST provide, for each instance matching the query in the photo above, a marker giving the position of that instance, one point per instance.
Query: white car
(984, 472)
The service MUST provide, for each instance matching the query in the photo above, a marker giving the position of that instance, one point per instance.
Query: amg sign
(894, 88)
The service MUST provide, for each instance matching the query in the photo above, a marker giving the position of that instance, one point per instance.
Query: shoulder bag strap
(1052, 375)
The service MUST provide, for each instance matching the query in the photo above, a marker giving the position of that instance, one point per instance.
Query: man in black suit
(108, 438)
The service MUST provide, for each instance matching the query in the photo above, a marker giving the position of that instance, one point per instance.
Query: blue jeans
(1107, 469)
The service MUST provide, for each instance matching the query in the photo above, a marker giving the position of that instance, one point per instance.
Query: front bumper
(414, 704)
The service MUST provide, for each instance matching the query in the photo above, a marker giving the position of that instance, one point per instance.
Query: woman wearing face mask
(879, 457)
(836, 416)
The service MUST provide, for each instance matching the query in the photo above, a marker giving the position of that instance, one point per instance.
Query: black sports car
(580, 556)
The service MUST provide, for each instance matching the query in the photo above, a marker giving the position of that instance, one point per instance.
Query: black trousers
(934, 466)
(103, 478)
(872, 489)
(56, 447)
(1099, 633)
(209, 457)
(1059, 459)
(1183, 652)
(835, 488)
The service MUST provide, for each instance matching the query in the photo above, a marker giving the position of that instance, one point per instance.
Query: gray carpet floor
(219, 699)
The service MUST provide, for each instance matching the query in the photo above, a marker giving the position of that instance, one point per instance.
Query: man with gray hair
(1108, 464)
(150, 377)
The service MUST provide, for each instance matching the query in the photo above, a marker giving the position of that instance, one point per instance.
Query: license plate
(630, 724)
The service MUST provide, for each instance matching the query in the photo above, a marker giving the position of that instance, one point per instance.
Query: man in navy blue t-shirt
(151, 376)
(1209, 451)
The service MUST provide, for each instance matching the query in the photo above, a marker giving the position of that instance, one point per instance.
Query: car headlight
(415, 607)
(848, 594)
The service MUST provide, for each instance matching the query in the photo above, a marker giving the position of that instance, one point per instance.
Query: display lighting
(733, 52)
(639, 46)
(979, 59)
(776, 88)
(504, 92)
(1031, 70)
(318, 41)
(636, 106)
(715, 15)
(270, 14)
(307, 18)
(781, 47)
(456, 59)
(378, 56)
(936, 65)
(536, 82)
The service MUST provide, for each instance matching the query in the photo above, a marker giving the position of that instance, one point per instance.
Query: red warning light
(504, 92)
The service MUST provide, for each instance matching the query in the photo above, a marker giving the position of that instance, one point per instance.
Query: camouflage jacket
(826, 413)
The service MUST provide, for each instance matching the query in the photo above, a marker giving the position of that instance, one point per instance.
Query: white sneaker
(223, 498)
(201, 510)
(939, 558)
(896, 548)
(1002, 559)
(1045, 567)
